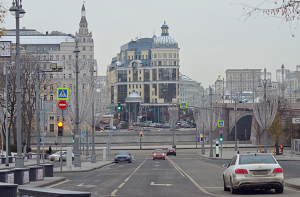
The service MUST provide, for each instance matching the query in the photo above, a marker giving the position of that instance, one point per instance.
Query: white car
(56, 156)
(253, 171)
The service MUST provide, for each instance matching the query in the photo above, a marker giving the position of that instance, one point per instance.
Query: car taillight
(174, 151)
(241, 171)
(163, 153)
(277, 170)
(167, 151)
(154, 154)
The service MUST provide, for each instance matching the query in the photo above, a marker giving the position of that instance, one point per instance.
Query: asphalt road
(183, 175)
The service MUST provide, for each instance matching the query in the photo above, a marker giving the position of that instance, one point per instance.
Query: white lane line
(291, 189)
(114, 192)
(122, 184)
(196, 184)
(213, 187)
(59, 183)
(175, 166)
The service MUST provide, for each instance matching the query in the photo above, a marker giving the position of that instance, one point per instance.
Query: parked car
(253, 171)
(106, 127)
(56, 156)
(122, 122)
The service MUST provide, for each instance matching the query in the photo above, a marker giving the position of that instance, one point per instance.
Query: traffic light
(201, 136)
(73, 139)
(221, 137)
(60, 128)
(119, 106)
(141, 134)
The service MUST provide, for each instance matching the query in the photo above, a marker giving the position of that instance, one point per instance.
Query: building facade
(55, 47)
(190, 91)
(150, 67)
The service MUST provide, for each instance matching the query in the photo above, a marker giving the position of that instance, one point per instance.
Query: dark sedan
(171, 151)
(123, 156)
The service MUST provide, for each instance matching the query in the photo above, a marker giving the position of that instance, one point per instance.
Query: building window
(91, 48)
(159, 55)
(91, 57)
(136, 86)
(70, 86)
(174, 63)
(70, 75)
(128, 57)
(51, 97)
(83, 86)
(165, 55)
(38, 48)
(51, 57)
(44, 57)
(57, 57)
(136, 57)
(129, 86)
(83, 48)
(83, 39)
(57, 48)
(174, 55)
(140, 86)
(57, 118)
(63, 57)
(140, 79)
(155, 55)
(70, 57)
(45, 97)
(64, 85)
(146, 56)
(45, 86)
(170, 55)
(51, 117)
(142, 56)
(51, 76)
(170, 63)
(83, 57)
(129, 79)
(165, 63)
(140, 72)
(45, 48)
(50, 48)
(129, 72)
(51, 86)
(51, 127)
(177, 55)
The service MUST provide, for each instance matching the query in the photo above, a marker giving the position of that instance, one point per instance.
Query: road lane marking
(82, 185)
(175, 166)
(122, 184)
(114, 192)
(195, 183)
(213, 187)
(291, 189)
(59, 183)
(152, 183)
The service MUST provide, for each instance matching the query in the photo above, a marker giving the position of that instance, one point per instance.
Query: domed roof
(133, 98)
(165, 41)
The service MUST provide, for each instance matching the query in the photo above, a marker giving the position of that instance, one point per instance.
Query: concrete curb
(286, 183)
(52, 182)
(84, 170)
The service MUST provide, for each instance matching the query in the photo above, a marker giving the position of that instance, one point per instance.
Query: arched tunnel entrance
(243, 124)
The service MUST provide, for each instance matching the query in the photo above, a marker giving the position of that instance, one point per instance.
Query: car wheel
(153, 158)
(225, 188)
(232, 190)
(164, 158)
(279, 190)
(175, 154)
(72, 158)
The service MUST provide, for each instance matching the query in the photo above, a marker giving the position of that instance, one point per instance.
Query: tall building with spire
(55, 47)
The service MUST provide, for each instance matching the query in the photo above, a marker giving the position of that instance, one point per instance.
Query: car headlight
(128, 157)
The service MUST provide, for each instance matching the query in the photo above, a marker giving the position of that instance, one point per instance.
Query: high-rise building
(150, 67)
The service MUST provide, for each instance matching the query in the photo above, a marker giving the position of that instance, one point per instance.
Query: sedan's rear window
(256, 159)
(159, 151)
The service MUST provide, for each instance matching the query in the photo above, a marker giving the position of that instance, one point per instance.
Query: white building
(190, 91)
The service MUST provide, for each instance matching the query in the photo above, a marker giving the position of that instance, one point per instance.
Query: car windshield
(171, 148)
(57, 153)
(159, 151)
(122, 153)
(256, 159)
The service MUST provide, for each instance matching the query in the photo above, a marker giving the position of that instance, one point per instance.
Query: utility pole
(231, 89)
(211, 148)
(235, 126)
(223, 89)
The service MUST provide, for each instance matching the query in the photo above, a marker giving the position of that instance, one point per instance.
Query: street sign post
(296, 120)
(62, 94)
(62, 105)
(183, 105)
(221, 123)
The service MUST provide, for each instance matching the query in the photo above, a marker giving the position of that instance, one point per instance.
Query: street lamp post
(17, 10)
(211, 122)
(77, 162)
(235, 127)
(265, 83)
(203, 148)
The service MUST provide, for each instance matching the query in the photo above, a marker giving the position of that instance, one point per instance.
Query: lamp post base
(77, 162)
(93, 158)
(19, 161)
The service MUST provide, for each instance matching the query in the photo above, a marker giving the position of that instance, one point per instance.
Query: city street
(183, 175)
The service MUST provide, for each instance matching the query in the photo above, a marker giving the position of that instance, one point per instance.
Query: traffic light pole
(62, 114)
(140, 142)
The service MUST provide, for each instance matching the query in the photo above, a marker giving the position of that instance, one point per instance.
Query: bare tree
(286, 10)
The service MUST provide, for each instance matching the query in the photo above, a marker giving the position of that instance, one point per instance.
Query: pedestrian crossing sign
(62, 94)
(183, 105)
(83, 133)
(221, 123)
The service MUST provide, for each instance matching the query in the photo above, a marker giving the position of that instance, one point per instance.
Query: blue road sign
(83, 133)
(183, 105)
(62, 94)
(221, 123)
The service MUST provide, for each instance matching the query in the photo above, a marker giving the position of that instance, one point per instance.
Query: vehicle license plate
(121, 159)
(158, 157)
(260, 172)
(171, 151)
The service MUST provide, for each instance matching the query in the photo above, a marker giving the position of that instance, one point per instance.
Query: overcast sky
(209, 33)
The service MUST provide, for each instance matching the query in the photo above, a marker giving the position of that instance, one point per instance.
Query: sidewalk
(86, 166)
